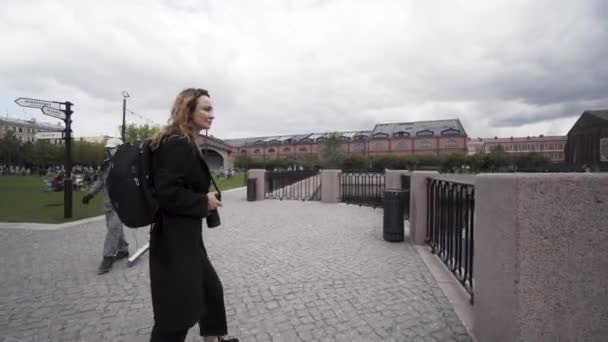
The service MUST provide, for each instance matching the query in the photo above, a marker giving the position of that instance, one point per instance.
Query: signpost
(56, 113)
(49, 135)
(54, 109)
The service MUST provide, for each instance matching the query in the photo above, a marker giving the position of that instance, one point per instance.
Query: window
(452, 143)
(451, 131)
(360, 147)
(271, 150)
(286, 149)
(257, 150)
(425, 133)
(400, 134)
(379, 146)
(402, 145)
(425, 144)
(303, 149)
(380, 136)
(243, 151)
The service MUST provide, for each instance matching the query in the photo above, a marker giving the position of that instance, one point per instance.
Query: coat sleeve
(101, 181)
(174, 196)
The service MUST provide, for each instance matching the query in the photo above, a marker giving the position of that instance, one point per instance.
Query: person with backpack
(115, 246)
(185, 287)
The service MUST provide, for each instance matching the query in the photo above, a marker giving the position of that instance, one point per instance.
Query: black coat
(181, 180)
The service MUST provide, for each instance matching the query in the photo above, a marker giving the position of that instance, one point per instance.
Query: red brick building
(405, 138)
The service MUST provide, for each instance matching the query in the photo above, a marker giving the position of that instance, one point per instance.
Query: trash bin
(251, 189)
(394, 201)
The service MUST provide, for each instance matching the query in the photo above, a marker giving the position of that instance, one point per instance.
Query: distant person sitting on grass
(115, 246)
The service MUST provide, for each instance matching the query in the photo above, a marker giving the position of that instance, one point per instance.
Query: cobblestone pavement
(292, 271)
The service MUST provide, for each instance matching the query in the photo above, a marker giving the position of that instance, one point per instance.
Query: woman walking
(185, 287)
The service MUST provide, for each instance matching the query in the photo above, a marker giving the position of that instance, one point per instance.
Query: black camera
(213, 218)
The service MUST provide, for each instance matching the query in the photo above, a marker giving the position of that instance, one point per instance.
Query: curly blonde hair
(180, 123)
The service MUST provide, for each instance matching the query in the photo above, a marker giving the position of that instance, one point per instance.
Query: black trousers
(213, 319)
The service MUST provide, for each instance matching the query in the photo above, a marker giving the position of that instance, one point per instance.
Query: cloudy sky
(512, 67)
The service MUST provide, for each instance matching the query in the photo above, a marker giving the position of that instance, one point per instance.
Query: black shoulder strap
(200, 155)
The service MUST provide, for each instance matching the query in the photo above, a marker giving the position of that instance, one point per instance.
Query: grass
(23, 199)
(238, 180)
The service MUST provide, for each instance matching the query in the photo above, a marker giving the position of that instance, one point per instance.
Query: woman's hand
(212, 202)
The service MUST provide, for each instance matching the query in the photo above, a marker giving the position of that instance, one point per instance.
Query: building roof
(43, 126)
(601, 114)
(540, 138)
(355, 135)
(589, 120)
(411, 128)
(437, 127)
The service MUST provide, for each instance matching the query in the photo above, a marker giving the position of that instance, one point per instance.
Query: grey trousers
(115, 237)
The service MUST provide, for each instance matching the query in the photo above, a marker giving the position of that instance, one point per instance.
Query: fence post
(418, 205)
(393, 178)
(330, 186)
(260, 175)
(540, 257)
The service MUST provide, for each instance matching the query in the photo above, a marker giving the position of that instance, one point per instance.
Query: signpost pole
(52, 108)
(67, 190)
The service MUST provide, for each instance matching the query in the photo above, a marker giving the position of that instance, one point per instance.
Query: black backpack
(129, 184)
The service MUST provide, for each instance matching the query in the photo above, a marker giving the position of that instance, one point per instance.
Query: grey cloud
(317, 65)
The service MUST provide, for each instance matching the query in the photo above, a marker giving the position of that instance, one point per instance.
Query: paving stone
(292, 271)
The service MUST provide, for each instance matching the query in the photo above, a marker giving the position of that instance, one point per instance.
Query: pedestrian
(185, 287)
(115, 246)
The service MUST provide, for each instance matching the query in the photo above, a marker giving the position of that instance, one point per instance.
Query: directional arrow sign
(35, 103)
(49, 135)
(56, 113)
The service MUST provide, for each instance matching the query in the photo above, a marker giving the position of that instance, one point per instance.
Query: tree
(243, 162)
(356, 162)
(140, 132)
(9, 149)
(497, 149)
(88, 154)
(332, 155)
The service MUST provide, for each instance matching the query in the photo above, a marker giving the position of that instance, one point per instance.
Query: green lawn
(23, 199)
(230, 183)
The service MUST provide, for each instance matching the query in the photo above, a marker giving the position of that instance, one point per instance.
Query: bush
(497, 161)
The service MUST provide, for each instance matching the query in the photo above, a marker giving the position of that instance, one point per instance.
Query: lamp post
(124, 110)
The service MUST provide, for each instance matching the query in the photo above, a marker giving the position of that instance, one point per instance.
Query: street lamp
(124, 110)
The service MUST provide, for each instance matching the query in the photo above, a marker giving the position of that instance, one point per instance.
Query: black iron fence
(451, 206)
(406, 186)
(300, 185)
(362, 188)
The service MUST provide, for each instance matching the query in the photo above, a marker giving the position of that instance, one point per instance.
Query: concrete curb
(48, 226)
(456, 294)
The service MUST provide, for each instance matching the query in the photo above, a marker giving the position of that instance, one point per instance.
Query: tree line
(42, 154)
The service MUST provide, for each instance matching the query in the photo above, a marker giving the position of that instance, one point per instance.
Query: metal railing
(299, 185)
(362, 188)
(406, 185)
(451, 207)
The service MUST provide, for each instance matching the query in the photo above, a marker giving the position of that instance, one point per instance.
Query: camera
(213, 219)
